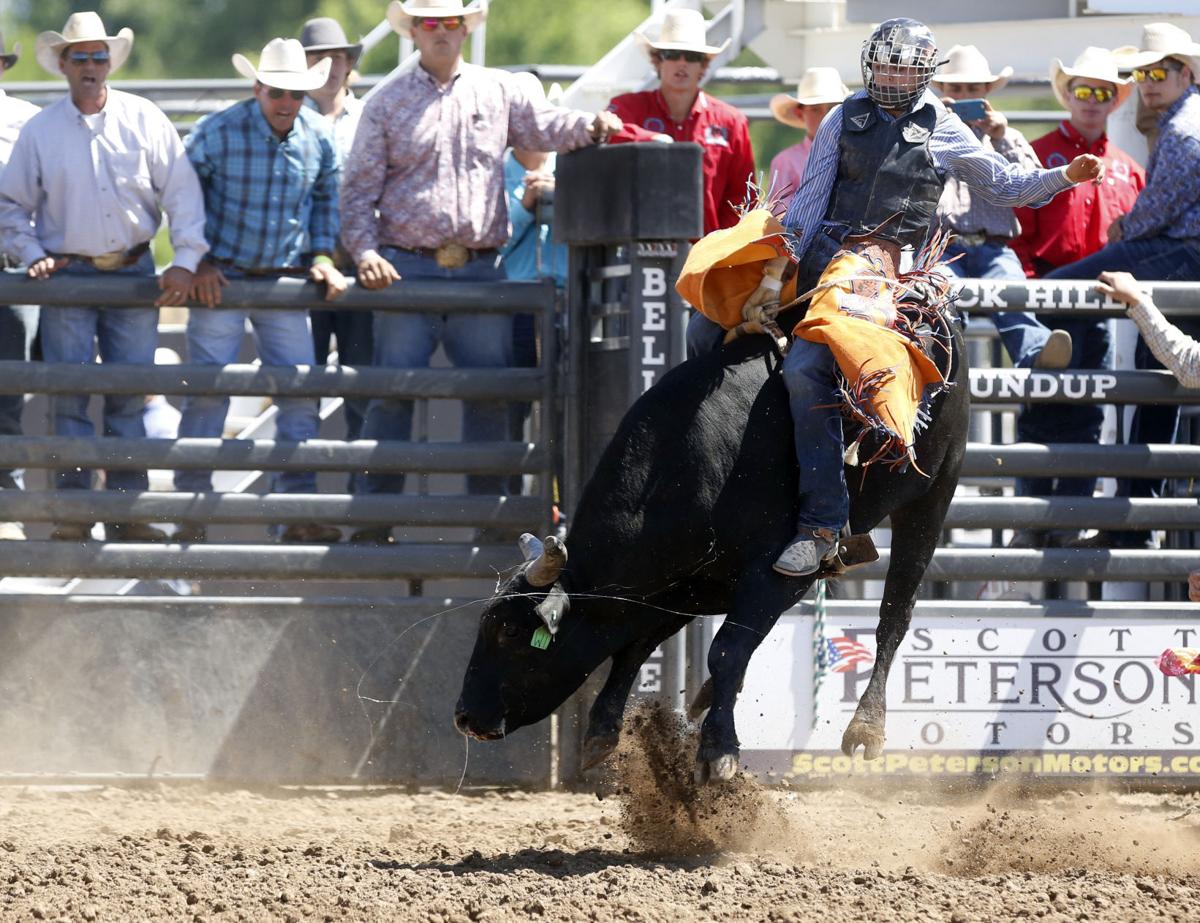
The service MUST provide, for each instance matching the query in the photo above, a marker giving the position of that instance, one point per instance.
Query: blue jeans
(406, 341)
(808, 372)
(123, 336)
(352, 329)
(283, 338)
(1022, 333)
(18, 329)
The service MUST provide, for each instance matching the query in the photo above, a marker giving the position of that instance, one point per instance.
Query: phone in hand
(969, 110)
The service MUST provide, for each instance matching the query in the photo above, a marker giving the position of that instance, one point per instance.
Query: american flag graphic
(844, 654)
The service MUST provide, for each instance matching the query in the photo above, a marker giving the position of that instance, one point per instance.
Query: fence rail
(1069, 513)
(1007, 386)
(1028, 459)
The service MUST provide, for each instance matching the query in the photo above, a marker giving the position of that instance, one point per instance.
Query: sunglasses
(692, 57)
(449, 23)
(276, 93)
(1099, 94)
(82, 57)
(1156, 74)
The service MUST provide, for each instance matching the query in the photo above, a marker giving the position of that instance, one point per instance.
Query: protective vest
(885, 171)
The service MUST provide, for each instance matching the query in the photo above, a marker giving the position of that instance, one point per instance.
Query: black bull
(688, 507)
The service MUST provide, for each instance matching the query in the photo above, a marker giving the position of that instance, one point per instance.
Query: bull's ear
(546, 567)
(529, 545)
(552, 609)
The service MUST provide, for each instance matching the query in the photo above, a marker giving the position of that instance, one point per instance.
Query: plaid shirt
(1177, 351)
(268, 203)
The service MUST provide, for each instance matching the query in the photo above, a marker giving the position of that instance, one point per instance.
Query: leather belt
(109, 262)
(979, 238)
(259, 270)
(449, 256)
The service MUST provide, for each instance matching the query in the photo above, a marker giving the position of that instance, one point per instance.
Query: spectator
(1160, 237)
(1072, 226)
(820, 89)
(424, 198)
(83, 195)
(268, 167)
(680, 111)
(984, 232)
(324, 38)
(18, 323)
(1175, 350)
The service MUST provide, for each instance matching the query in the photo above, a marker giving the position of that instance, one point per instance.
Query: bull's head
(526, 660)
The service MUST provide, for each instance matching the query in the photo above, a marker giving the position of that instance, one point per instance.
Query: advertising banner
(972, 697)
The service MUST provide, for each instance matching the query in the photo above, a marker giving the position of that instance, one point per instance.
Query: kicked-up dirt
(656, 849)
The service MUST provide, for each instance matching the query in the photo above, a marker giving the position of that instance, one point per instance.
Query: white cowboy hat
(819, 85)
(1160, 40)
(682, 30)
(966, 64)
(9, 58)
(283, 65)
(401, 15)
(82, 27)
(1093, 63)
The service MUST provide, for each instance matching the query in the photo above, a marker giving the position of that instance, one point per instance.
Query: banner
(971, 697)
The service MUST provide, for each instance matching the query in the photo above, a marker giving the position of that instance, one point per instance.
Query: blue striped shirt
(268, 203)
(955, 151)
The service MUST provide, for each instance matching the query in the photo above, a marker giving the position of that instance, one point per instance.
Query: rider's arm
(811, 199)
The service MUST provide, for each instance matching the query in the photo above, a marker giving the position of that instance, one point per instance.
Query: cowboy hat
(401, 15)
(682, 30)
(9, 58)
(1160, 40)
(326, 34)
(966, 64)
(818, 86)
(1093, 63)
(283, 65)
(82, 27)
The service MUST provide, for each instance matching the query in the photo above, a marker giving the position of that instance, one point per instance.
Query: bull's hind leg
(608, 711)
(920, 525)
(760, 597)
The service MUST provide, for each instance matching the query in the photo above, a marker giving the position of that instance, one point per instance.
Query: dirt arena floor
(653, 849)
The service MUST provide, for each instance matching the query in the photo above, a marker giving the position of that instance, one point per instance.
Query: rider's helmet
(898, 61)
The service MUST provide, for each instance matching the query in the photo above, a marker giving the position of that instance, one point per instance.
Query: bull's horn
(549, 564)
(529, 545)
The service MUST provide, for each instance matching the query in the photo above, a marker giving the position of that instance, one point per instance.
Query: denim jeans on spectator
(283, 338)
(808, 372)
(18, 329)
(354, 348)
(1022, 333)
(123, 336)
(404, 341)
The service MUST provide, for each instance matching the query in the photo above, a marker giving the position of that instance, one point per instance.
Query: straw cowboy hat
(82, 27)
(283, 65)
(819, 85)
(401, 15)
(682, 30)
(9, 58)
(1093, 63)
(966, 64)
(326, 34)
(1160, 40)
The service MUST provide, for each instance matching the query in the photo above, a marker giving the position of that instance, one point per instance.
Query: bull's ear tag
(541, 638)
(551, 609)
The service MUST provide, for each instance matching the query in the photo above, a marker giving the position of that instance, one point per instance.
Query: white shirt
(14, 113)
(69, 189)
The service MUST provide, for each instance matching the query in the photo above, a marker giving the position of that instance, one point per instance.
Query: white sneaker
(12, 531)
(806, 553)
(1056, 354)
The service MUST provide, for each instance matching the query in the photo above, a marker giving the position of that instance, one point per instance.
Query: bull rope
(820, 647)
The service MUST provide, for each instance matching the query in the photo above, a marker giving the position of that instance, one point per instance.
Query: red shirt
(1074, 224)
(719, 128)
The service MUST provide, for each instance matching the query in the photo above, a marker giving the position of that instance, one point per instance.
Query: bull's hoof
(597, 748)
(702, 702)
(862, 733)
(720, 769)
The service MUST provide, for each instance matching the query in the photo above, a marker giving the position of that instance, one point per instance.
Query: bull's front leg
(758, 601)
(867, 727)
(608, 711)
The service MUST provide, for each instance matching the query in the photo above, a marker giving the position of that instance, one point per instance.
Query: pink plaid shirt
(430, 159)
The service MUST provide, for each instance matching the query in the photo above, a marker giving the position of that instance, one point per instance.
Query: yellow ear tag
(541, 638)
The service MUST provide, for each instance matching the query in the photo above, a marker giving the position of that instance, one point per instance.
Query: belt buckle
(107, 262)
(974, 239)
(452, 256)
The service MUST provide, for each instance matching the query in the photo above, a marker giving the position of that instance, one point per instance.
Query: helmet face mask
(898, 61)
